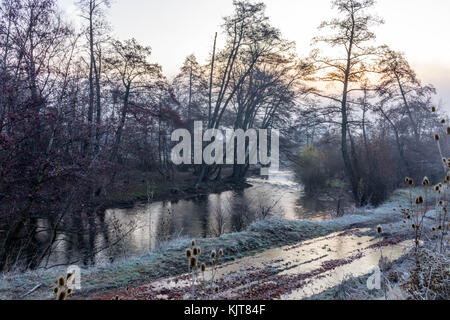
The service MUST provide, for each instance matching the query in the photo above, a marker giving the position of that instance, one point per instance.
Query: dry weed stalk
(194, 267)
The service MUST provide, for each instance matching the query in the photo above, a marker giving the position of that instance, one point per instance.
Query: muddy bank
(175, 194)
(142, 187)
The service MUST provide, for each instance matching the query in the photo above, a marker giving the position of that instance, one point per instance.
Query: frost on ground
(290, 272)
(259, 239)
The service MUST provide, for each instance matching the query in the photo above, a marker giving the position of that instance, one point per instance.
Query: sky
(177, 28)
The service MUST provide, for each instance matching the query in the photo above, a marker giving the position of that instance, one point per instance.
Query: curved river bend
(147, 225)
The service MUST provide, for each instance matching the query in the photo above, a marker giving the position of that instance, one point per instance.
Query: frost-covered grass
(356, 288)
(169, 260)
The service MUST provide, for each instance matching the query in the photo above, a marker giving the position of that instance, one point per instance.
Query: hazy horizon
(175, 29)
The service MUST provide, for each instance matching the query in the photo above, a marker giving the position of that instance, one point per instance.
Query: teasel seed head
(195, 251)
(443, 121)
(408, 217)
(426, 181)
(69, 291)
(188, 253)
(203, 267)
(199, 251)
(62, 295)
(433, 229)
(193, 243)
(448, 130)
(437, 137)
(220, 253)
(55, 290)
(439, 227)
(414, 226)
(213, 254)
(419, 200)
(61, 281)
(436, 188)
(216, 289)
(379, 229)
(193, 262)
(433, 109)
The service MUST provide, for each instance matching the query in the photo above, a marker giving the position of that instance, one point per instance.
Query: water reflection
(148, 225)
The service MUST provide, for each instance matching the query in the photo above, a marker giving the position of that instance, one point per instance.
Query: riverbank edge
(172, 194)
(170, 260)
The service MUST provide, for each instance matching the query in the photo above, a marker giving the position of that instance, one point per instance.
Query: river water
(144, 227)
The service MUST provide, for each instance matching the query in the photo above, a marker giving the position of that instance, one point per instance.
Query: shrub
(310, 169)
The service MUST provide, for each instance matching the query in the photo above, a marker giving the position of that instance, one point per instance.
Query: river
(144, 227)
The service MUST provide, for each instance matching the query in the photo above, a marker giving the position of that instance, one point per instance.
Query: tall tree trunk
(408, 109)
(202, 170)
(398, 143)
(91, 81)
(345, 153)
(123, 117)
(99, 106)
(190, 95)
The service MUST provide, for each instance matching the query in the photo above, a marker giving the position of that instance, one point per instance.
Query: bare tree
(350, 33)
(191, 88)
(128, 65)
(92, 11)
(399, 81)
(249, 39)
